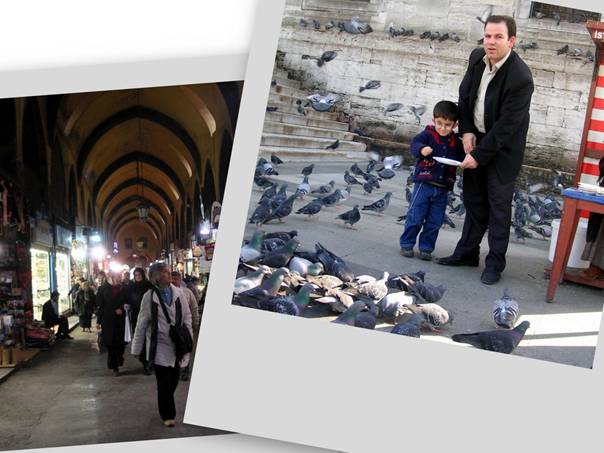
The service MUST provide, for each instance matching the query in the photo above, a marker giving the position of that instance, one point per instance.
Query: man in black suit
(51, 316)
(494, 100)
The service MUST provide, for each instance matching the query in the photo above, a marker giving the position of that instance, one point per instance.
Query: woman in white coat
(153, 326)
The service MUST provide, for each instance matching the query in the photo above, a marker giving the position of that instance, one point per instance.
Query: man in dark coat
(111, 320)
(51, 316)
(494, 101)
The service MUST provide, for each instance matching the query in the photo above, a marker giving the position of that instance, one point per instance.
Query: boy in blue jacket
(433, 180)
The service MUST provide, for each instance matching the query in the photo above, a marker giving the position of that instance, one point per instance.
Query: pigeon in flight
(393, 107)
(322, 103)
(306, 171)
(371, 85)
(485, 15)
(355, 26)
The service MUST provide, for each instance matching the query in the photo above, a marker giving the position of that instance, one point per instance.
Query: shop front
(63, 267)
(40, 255)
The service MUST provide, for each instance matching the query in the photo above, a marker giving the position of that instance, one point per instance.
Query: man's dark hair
(446, 110)
(176, 274)
(509, 22)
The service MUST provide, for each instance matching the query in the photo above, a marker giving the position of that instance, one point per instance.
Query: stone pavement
(564, 331)
(67, 396)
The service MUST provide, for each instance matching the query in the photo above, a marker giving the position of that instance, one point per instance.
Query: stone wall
(416, 72)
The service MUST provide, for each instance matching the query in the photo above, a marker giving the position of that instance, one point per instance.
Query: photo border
(331, 386)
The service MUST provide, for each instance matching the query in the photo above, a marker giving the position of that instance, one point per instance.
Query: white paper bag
(128, 329)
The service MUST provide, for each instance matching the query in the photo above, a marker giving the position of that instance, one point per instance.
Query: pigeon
(576, 53)
(280, 197)
(504, 341)
(273, 83)
(434, 36)
(301, 110)
(283, 235)
(350, 217)
(360, 132)
(311, 208)
(443, 37)
(326, 56)
(268, 245)
(316, 24)
(557, 18)
(325, 188)
(262, 181)
(303, 188)
(425, 35)
(351, 180)
(380, 205)
(505, 311)
(354, 168)
(322, 103)
(329, 25)
(303, 23)
(368, 187)
(251, 251)
(393, 107)
(283, 210)
(306, 171)
(332, 199)
(334, 145)
(281, 256)
(393, 305)
(434, 315)
(271, 109)
(539, 15)
(261, 213)
(288, 305)
(358, 316)
(304, 267)
(275, 160)
(338, 300)
(447, 221)
(269, 287)
(269, 193)
(252, 280)
(333, 264)
(418, 111)
(485, 15)
(589, 55)
(371, 85)
(355, 27)
(455, 37)
(562, 50)
(410, 326)
(374, 290)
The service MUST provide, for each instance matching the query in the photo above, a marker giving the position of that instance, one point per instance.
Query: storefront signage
(41, 233)
(64, 237)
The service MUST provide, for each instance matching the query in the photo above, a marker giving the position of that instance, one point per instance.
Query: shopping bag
(127, 328)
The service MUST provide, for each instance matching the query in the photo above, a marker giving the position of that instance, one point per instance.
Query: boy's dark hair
(446, 110)
(509, 22)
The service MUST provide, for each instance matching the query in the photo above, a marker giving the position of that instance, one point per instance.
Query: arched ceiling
(153, 145)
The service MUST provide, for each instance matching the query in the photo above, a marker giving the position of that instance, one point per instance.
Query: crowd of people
(143, 311)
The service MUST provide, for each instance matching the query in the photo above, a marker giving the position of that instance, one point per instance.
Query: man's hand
(469, 142)
(468, 163)
(426, 151)
(98, 327)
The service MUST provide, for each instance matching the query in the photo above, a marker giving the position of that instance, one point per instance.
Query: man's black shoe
(455, 261)
(490, 276)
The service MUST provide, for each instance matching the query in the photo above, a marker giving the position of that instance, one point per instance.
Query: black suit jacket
(49, 316)
(506, 113)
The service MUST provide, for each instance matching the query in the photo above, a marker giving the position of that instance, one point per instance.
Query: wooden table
(575, 201)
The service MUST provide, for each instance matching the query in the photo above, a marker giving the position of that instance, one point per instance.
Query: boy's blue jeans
(426, 213)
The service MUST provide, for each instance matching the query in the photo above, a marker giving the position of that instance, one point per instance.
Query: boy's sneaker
(408, 253)
(426, 256)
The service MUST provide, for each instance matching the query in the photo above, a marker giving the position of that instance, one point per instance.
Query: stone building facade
(416, 71)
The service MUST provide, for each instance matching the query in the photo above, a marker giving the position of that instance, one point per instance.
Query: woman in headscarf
(85, 303)
(110, 319)
(136, 290)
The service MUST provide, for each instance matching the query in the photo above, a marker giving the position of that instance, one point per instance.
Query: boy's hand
(469, 142)
(426, 151)
(468, 163)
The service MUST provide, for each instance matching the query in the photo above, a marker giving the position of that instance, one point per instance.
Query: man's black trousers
(488, 205)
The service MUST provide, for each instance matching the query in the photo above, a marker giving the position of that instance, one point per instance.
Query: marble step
(288, 154)
(301, 120)
(292, 141)
(306, 131)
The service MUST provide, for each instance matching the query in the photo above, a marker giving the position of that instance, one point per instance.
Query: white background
(356, 381)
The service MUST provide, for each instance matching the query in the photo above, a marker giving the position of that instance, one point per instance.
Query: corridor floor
(67, 396)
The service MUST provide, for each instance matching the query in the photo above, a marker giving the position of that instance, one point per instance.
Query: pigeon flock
(276, 275)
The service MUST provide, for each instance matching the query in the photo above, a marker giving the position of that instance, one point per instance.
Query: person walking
(194, 308)
(135, 292)
(85, 304)
(110, 320)
(162, 306)
(494, 101)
